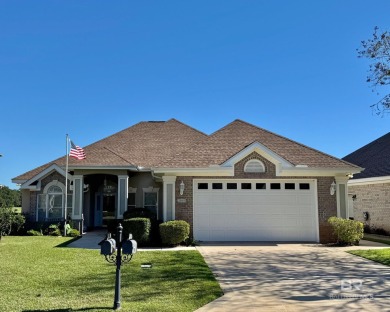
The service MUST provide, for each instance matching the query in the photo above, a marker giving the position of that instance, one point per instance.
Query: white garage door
(255, 210)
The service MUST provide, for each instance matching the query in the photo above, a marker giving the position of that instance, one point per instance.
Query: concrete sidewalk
(89, 240)
(296, 277)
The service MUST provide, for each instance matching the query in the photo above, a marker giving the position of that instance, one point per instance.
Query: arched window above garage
(254, 166)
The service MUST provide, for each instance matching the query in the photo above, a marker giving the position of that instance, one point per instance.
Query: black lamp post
(118, 251)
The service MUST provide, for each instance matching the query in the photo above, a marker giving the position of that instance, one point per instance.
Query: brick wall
(374, 199)
(327, 205)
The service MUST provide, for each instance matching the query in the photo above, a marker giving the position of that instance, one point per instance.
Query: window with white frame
(151, 199)
(254, 166)
(51, 203)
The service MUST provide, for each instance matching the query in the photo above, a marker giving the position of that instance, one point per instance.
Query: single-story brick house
(369, 191)
(241, 183)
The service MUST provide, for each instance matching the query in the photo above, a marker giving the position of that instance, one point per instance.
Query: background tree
(377, 49)
(9, 219)
(9, 198)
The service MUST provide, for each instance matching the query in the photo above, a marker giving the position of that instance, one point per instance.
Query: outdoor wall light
(333, 188)
(181, 188)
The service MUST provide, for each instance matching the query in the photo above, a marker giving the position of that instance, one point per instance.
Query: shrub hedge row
(151, 232)
(348, 232)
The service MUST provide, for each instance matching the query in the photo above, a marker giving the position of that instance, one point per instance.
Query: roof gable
(262, 151)
(31, 183)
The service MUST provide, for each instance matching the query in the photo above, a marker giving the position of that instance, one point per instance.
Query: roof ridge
(184, 124)
(109, 136)
(225, 126)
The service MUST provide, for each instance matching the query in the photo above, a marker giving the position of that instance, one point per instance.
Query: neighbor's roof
(172, 144)
(374, 157)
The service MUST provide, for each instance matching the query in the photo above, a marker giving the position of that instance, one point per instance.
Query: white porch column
(169, 198)
(123, 185)
(342, 197)
(78, 186)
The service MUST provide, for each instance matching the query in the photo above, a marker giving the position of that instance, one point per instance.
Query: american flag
(76, 151)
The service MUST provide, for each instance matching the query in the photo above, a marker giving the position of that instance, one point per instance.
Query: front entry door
(98, 210)
(109, 204)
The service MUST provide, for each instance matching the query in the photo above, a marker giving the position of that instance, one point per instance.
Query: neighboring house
(241, 183)
(369, 191)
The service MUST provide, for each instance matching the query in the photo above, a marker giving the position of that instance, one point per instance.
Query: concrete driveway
(296, 277)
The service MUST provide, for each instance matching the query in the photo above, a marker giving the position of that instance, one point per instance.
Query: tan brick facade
(374, 199)
(327, 205)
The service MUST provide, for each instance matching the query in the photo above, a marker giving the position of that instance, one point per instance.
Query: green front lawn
(38, 276)
(377, 255)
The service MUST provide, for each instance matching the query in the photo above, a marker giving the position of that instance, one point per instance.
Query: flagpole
(66, 182)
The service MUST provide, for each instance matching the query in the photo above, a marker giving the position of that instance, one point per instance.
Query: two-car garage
(255, 210)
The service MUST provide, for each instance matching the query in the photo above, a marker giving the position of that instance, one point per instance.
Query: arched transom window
(254, 166)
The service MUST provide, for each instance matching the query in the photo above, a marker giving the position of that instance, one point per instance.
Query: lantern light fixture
(181, 188)
(333, 188)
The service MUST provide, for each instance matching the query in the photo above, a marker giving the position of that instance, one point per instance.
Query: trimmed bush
(55, 232)
(348, 232)
(72, 233)
(34, 233)
(139, 228)
(174, 232)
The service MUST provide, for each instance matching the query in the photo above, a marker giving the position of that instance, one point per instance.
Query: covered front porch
(100, 198)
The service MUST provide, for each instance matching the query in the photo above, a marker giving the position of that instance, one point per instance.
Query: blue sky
(92, 68)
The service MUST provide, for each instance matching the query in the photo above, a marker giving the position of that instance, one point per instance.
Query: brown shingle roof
(231, 139)
(172, 144)
(142, 145)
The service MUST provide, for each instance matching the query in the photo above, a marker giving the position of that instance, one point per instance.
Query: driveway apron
(296, 277)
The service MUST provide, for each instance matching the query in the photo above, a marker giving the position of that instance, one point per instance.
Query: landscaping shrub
(73, 233)
(139, 228)
(348, 232)
(54, 230)
(34, 233)
(174, 232)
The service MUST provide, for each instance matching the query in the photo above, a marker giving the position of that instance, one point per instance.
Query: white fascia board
(374, 180)
(322, 172)
(211, 171)
(42, 174)
(18, 182)
(131, 168)
(263, 151)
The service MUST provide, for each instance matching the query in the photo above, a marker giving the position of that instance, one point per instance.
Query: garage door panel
(255, 215)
